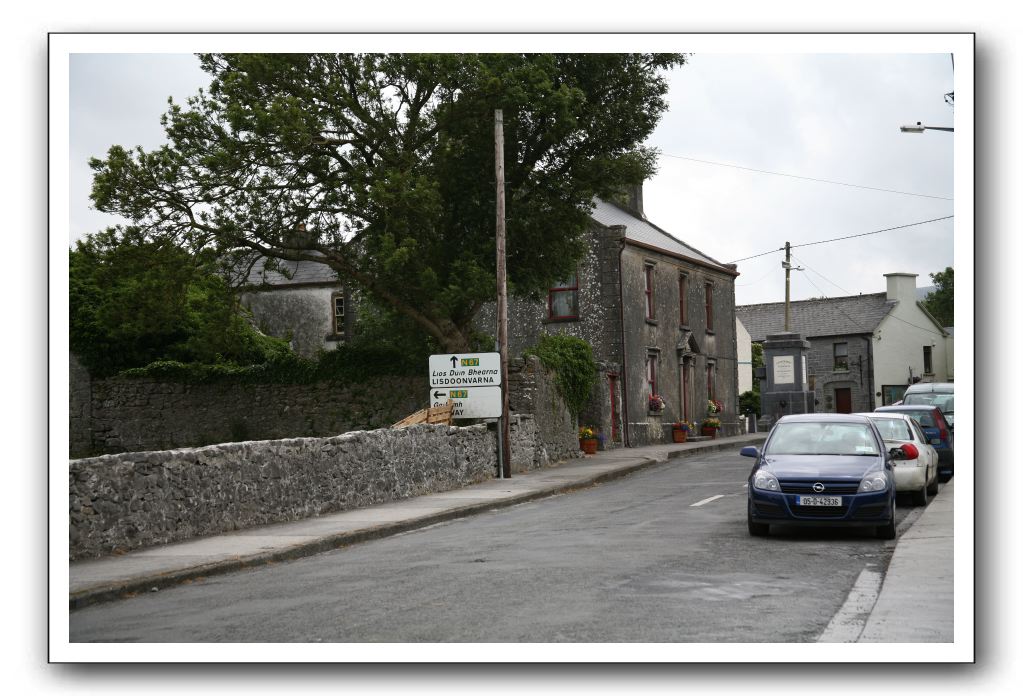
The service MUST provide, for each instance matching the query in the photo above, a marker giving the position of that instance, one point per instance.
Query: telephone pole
(504, 427)
(788, 272)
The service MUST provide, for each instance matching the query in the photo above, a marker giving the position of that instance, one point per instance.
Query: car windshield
(893, 428)
(823, 438)
(946, 402)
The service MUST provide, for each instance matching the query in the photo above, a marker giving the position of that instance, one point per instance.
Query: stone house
(864, 349)
(660, 317)
(303, 301)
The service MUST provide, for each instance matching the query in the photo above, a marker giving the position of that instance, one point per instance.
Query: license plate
(821, 500)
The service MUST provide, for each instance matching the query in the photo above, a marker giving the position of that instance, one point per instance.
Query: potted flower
(656, 403)
(588, 438)
(710, 426)
(680, 430)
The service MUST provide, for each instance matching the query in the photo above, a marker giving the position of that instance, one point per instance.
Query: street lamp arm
(920, 128)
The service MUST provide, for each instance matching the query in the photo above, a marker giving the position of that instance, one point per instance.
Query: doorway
(843, 400)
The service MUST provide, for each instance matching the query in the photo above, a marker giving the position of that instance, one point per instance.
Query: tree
(941, 302)
(134, 301)
(382, 167)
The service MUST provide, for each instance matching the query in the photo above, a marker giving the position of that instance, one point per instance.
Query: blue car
(823, 469)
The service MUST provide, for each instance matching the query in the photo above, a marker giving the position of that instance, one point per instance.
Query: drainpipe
(625, 365)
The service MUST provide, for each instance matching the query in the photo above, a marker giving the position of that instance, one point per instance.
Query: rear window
(946, 402)
(893, 428)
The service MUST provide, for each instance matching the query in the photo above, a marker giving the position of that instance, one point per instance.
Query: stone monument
(784, 386)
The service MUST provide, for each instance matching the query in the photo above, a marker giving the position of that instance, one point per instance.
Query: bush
(571, 361)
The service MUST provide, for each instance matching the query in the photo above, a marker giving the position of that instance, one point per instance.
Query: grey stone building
(303, 301)
(660, 316)
(864, 349)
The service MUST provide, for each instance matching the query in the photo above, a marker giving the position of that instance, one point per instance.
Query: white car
(917, 476)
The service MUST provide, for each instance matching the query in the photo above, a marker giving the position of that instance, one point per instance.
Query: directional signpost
(472, 381)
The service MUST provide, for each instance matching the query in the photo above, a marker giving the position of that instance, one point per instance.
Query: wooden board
(438, 415)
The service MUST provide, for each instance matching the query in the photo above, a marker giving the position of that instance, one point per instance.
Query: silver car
(919, 476)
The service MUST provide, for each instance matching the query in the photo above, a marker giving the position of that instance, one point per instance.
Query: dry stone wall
(130, 500)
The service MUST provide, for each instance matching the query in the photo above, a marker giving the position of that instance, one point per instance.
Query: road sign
(465, 370)
(469, 402)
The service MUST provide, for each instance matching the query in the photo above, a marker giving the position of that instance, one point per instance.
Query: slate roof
(301, 272)
(835, 316)
(639, 230)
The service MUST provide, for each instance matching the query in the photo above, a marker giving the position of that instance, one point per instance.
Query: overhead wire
(806, 178)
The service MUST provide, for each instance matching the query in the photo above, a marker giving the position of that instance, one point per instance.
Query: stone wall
(532, 392)
(80, 407)
(144, 414)
(125, 501)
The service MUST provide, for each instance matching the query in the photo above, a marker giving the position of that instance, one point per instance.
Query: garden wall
(123, 501)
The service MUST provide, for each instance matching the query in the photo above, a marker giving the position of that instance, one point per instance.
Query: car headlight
(872, 483)
(765, 481)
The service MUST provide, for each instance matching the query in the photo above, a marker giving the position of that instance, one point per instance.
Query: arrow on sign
(437, 395)
(454, 362)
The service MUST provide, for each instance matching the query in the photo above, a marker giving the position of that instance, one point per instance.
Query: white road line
(847, 625)
(707, 500)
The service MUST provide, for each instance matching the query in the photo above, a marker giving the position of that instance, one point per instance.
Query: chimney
(634, 196)
(901, 287)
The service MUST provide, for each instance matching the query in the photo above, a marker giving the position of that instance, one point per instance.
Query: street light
(918, 128)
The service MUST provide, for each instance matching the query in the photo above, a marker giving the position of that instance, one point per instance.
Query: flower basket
(655, 403)
(680, 430)
(588, 439)
(710, 427)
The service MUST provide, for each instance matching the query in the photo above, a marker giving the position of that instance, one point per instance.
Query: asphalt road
(659, 556)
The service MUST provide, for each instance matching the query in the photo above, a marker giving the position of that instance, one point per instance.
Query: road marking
(707, 500)
(847, 625)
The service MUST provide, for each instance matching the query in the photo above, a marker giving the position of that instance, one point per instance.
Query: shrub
(571, 361)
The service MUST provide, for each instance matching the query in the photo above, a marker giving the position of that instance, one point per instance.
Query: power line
(855, 323)
(851, 236)
(806, 178)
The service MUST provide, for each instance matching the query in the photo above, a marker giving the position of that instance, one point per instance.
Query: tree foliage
(941, 302)
(134, 301)
(382, 166)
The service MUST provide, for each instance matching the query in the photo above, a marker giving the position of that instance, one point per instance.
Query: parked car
(823, 469)
(940, 394)
(937, 430)
(919, 476)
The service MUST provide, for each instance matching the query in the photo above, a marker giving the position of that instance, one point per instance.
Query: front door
(843, 400)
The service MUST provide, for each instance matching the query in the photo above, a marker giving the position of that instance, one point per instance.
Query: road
(660, 556)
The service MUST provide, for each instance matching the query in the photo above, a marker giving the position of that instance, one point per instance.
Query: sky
(818, 116)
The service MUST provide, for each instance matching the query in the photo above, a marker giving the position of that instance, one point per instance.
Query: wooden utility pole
(504, 425)
(788, 272)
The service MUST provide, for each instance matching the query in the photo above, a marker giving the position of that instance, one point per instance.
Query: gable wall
(304, 313)
(898, 347)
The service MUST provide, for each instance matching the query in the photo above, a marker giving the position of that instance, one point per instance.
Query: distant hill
(921, 293)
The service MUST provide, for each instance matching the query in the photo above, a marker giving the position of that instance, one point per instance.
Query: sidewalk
(916, 600)
(157, 567)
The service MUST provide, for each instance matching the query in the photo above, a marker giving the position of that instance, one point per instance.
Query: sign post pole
(504, 456)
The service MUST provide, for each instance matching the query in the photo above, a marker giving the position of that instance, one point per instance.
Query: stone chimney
(901, 287)
(634, 199)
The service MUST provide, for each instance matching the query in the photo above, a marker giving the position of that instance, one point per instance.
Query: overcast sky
(832, 117)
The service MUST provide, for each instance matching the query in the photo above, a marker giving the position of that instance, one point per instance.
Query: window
(683, 288)
(648, 284)
(928, 366)
(651, 373)
(563, 299)
(710, 381)
(708, 290)
(338, 301)
(841, 356)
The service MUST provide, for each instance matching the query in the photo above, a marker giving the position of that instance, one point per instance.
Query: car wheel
(933, 487)
(920, 496)
(757, 529)
(887, 531)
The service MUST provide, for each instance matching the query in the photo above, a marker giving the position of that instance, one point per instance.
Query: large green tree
(941, 301)
(134, 301)
(382, 167)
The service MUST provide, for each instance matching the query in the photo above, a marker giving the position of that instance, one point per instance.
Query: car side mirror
(749, 451)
